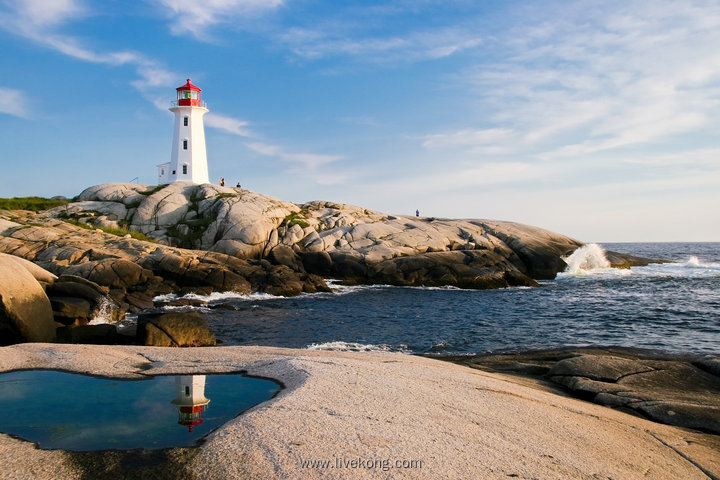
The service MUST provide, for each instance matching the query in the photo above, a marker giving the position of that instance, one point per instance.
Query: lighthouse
(188, 161)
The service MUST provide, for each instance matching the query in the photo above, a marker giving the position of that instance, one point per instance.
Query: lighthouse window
(184, 144)
(184, 169)
(185, 121)
(187, 391)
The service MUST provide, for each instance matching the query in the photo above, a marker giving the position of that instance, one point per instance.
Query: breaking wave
(589, 259)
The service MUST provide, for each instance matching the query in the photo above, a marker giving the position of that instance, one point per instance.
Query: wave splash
(586, 259)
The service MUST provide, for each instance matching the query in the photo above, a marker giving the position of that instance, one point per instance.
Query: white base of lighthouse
(188, 161)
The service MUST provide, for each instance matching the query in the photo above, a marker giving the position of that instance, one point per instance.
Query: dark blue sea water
(674, 307)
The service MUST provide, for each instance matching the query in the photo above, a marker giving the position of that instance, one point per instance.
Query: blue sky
(599, 120)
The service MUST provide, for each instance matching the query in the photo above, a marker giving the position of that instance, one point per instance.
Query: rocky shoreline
(346, 242)
(680, 390)
(118, 246)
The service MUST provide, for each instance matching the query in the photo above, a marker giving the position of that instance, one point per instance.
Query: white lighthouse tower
(188, 161)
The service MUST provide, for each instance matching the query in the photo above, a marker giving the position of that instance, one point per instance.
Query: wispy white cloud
(309, 161)
(196, 17)
(335, 41)
(228, 124)
(603, 77)
(43, 13)
(490, 138)
(14, 102)
(41, 20)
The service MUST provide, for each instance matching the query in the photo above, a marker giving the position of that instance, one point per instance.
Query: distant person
(238, 185)
(222, 182)
(417, 213)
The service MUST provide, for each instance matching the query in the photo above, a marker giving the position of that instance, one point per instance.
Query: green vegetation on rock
(120, 232)
(34, 204)
(295, 218)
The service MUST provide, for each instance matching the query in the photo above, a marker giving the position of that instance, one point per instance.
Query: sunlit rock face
(245, 241)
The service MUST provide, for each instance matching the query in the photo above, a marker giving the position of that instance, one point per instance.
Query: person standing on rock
(222, 182)
(417, 213)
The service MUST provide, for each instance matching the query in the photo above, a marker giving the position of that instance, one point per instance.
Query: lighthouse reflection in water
(190, 399)
(67, 411)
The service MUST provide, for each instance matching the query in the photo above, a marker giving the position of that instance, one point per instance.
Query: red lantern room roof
(189, 86)
(188, 95)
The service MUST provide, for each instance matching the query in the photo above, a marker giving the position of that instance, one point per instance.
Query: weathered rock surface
(25, 311)
(174, 330)
(45, 278)
(342, 241)
(449, 421)
(681, 390)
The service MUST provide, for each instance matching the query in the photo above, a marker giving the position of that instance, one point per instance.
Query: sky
(596, 119)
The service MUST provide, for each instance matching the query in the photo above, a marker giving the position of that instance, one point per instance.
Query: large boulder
(41, 275)
(174, 330)
(25, 311)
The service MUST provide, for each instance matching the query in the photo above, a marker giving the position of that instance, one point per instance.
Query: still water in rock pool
(60, 410)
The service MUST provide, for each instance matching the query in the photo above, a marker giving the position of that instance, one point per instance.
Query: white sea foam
(691, 268)
(586, 259)
(103, 314)
(216, 296)
(338, 288)
(590, 260)
(354, 347)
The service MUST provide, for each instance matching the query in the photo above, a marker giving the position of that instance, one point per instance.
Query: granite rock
(174, 330)
(681, 390)
(363, 246)
(25, 311)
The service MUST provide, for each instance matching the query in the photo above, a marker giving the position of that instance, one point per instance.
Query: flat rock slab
(369, 415)
(676, 390)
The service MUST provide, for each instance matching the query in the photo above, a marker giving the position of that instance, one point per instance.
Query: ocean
(672, 307)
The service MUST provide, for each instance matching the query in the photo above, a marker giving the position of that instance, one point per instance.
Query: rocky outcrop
(330, 239)
(675, 390)
(245, 241)
(25, 311)
(134, 271)
(671, 392)
(37, 306)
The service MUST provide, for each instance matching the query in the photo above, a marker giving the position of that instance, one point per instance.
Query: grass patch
(226, 195)
(295, 218)
(34, 204)
(120, 232)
